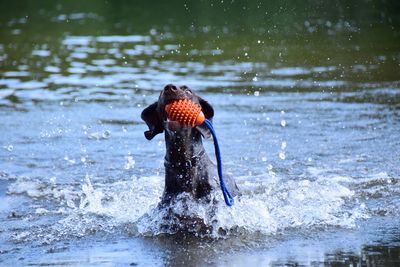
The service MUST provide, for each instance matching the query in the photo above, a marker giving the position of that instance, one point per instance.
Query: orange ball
(185, 112)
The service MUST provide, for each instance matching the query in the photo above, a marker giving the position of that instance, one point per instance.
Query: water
(307, 101)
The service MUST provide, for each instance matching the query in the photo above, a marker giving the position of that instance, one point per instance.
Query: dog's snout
(170, 88)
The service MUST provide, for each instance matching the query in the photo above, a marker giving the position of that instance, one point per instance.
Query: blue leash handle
(227, 195)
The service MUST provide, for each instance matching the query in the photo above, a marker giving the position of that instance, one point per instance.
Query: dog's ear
(207, 109)
(153, 120)
(209, 114)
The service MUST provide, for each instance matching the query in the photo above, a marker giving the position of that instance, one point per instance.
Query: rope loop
(227, 195)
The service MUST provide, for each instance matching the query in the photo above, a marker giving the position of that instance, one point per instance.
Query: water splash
(124, 201)
(268, 205)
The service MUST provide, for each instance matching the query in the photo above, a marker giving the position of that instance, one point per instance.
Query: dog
(188, 169)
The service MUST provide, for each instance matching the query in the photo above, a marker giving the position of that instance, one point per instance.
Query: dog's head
(156, 117)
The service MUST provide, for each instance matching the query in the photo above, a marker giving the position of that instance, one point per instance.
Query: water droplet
(106, 134)
(9, 148)
(71, 161)
(130, 163)
(283, 145)
(282, 155)
(255, 79)
(256, 93)
(283, 123)
(264, 159)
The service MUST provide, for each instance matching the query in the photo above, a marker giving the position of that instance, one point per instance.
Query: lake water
(307, 111)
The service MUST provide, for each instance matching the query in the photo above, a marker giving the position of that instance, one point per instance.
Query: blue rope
(227, 195)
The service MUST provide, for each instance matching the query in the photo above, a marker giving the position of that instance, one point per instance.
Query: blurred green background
(306, 33)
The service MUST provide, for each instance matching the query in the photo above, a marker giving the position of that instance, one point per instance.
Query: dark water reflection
(307, 100)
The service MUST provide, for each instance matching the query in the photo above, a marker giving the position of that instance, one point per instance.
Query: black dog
(187, 166)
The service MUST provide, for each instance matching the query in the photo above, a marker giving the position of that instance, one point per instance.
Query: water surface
(307, 101)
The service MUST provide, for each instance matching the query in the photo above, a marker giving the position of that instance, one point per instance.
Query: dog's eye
(187, 90)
